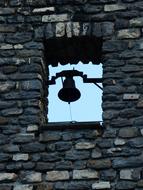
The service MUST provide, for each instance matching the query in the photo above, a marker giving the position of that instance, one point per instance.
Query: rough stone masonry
(34, 156)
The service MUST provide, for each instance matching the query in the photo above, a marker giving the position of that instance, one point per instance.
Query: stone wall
(34, 157)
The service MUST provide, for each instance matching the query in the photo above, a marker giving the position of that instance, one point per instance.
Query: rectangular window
(84, 55)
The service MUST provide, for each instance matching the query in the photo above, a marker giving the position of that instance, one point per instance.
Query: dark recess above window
(72, 50)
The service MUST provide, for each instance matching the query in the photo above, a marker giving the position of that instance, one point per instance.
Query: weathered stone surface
(128, 33)
(29, 53)
(33, 45)
(2, 166)
(62, 146)
(13, 167)
(69, 29)
(5, 104)
(128, 132)
(11, 129)
(121, 152)
(136, 142)
(31, 111)
(49, 136)
(28, 165)
(92, 8)
(135, 22)
(96, 153)
(8, 177)
(57, 175)
(101, 185)
(119, 142)
(36, 3)
(23, 138)
(21, 95)
(60, 29)
(9, 69)
(112, 151)
(6, 46)
(21, 187)
(80, 164)
(84, 145)
(6, 86)
(3, 120)
(44, 166)
(76, 28)
(43, 10)
(110, 114)
(114, 45)
(86, 29)
(108, 175)
(121, 23)
(138, 121)
(50, 157)
(18, 46)
(140, 183)
(114, 7)
(125, 185)
(10, 148)
(19, 37)
(114, 89)
(55, 18)
(49, 31)
(64, 165)
(77, 155)
(18, 157)
(43, 186)
(50, 147)
(72, 135)
(121, 123)
(32, 128)
(85, 174)
(7, 29)
(131, 96)
(32, 19)
(126, 174)
(99, 164)
(127, 162)
(7, 11)
(107, 143)
(31, 85)
(33, 147)
(73, 185)
(39, 33)
(107, 28)
(141, 132)
(4, 157)
(12, 111)
(5, 187)
(31, 177)
(129, 113)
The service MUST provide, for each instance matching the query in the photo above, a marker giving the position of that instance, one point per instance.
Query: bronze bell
(69, 92)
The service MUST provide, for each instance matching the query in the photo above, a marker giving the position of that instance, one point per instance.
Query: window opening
(88, 107)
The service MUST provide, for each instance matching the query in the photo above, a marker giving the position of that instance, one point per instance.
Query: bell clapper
(70, 111)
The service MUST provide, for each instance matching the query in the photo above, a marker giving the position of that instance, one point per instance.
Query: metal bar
(92, 80)
(98, 86)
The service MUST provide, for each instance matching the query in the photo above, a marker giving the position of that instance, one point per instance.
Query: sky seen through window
(88, 107)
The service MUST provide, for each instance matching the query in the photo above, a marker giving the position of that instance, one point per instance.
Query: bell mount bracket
(75, 73)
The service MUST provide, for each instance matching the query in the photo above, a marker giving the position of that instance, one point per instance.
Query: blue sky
(88, 107)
